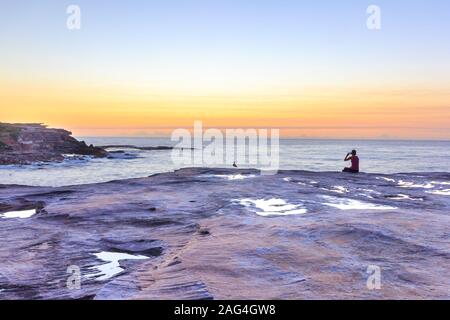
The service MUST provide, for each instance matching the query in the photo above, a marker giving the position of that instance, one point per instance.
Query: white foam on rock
(112, 267)
(351, 204)
(23, 214)
(272, 207)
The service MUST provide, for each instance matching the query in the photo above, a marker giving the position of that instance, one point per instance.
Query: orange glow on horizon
(409, 113)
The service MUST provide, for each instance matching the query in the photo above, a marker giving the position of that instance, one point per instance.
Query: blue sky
(277, 35)
(233, 48)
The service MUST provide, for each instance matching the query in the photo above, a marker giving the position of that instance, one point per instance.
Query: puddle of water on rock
(369, 191)
(112, 267)
(407, 184)
(365, 195)
(289, 179)
(232, 177)
(23, 214)
(385, 179)
(404, 197)
(337, 189)
(351, 204)
(340, 189)
(272, 207)
(440, 182)
(445, 192)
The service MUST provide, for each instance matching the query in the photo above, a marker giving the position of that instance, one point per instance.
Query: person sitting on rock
(355, 162)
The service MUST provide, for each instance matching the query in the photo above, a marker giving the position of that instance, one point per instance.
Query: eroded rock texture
(229, 234)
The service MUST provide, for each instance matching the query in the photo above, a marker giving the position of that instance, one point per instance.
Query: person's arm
(347, 158)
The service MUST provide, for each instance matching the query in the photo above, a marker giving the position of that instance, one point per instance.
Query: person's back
(354, 168)
(355, 163)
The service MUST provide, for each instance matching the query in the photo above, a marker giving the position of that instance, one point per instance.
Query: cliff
(28, 143)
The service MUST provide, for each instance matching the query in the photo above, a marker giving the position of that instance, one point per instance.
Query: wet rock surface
(229, 234)
(30, 143)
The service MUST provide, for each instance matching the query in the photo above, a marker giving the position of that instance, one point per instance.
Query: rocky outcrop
(28, 143)
(229, 234)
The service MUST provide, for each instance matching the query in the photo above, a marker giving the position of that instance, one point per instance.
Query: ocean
(376, 156)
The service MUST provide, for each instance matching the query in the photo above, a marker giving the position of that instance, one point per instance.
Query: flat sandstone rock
(228, 234)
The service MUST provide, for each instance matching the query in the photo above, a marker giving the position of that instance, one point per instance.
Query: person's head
(354, 152)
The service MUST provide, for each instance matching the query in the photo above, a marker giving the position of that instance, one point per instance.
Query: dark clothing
(350, 170)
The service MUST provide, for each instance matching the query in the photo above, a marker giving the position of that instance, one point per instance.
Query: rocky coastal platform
(30, 143)
(229, 234)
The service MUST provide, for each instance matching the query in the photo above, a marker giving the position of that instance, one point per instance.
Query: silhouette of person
(354, 168)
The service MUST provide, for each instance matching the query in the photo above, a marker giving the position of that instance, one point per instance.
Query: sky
(311, 68)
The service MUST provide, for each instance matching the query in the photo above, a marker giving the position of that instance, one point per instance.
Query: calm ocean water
(297, 154)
